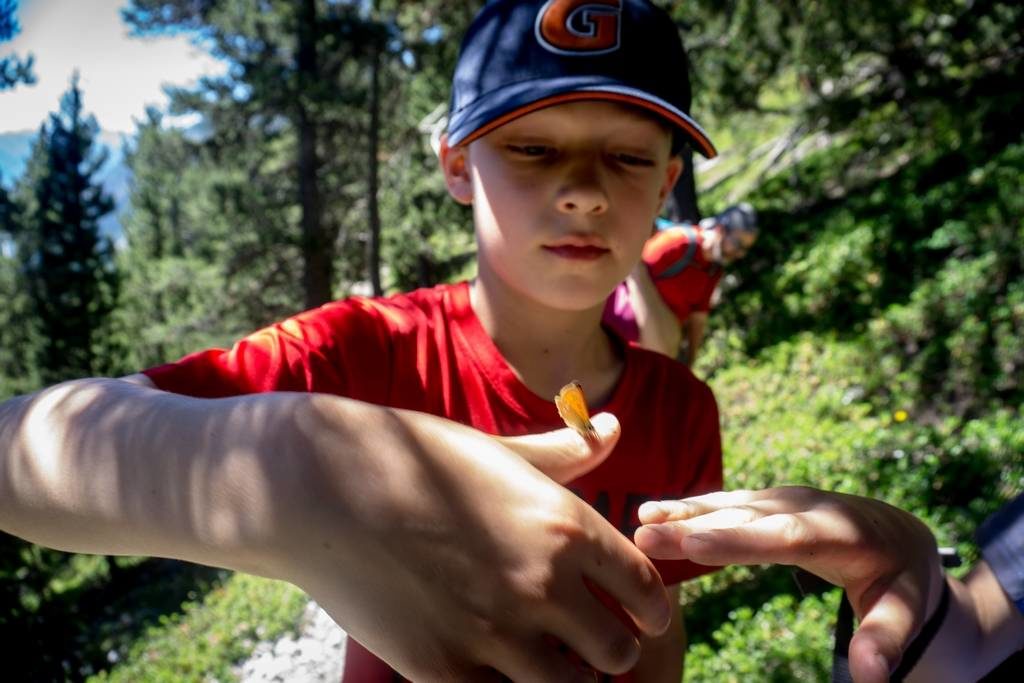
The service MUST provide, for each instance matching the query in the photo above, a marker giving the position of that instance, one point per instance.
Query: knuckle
(747, 513)
(535, 584)
(793, 531)
(803, 494)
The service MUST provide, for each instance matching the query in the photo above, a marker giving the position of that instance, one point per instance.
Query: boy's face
(564, 197)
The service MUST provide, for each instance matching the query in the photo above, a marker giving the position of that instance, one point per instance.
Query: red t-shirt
(427, 351)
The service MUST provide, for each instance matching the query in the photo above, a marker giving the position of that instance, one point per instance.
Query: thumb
(563, 454)
(885, 631)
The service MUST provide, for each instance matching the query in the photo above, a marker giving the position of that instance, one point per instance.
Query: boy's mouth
(578, 253)
(578, 248)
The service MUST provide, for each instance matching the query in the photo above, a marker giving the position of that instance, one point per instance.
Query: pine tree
(13, 69)
(68, 266)
(179, 293)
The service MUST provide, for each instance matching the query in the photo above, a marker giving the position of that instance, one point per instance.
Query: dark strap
(684, 260)
(924, 639)
(841, 650)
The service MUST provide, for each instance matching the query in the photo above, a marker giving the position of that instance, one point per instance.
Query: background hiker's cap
(738, 218)
(522, 55)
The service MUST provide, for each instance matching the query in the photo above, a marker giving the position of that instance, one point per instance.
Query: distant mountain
(16, 147)
(14, 151)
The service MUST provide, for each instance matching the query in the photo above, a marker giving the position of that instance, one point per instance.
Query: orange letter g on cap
(579, 27)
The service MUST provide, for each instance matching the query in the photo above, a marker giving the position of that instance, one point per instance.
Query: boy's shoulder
(400, 312)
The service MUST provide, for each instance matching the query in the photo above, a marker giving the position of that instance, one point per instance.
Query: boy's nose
(582, 192)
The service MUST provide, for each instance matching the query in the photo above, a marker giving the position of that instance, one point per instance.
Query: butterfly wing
(572, 407)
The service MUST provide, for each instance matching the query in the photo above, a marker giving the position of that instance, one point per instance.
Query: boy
(674, 287)
(431, 542)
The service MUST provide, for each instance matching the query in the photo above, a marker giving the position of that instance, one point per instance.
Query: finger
(542, 661)
(776, 539)
(664, 541)
(563, 454)
(661, 541)
(595, 627)
(658, 511)
(619, 569)
(774, 500)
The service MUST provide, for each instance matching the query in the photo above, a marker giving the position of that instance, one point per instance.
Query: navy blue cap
(738, 218)
(522, 55)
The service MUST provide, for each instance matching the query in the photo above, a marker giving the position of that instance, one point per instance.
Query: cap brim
(503, 110)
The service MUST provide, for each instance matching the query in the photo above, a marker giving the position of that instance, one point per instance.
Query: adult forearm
(104, 466)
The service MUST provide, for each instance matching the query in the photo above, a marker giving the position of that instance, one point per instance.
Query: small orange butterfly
(572, 407)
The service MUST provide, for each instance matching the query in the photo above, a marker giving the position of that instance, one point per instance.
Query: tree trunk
(317, 246)
(373, 246)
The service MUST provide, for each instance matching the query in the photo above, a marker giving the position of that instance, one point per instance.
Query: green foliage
(816, 410)
(853, 58)
(190, 273)
(927, 262)
(18, 371)
(873, 346)
(769, 644)
(207, 637)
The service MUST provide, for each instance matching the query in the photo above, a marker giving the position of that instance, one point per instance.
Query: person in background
(667, 297)
(916, 622)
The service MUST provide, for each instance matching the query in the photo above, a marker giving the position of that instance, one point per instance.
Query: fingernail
(651, 509)
(605, 423)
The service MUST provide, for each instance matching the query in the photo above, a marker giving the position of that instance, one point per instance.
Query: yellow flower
(900, 416)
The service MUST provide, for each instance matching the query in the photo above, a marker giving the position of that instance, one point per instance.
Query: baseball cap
(522, 55)
(738, 218)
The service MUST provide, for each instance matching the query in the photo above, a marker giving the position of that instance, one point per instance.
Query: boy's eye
(633, 160)
(529, 150)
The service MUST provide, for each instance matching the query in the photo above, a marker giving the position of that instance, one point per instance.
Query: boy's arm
(696, 323)
(661, 657)
(659, 326)
(435, 545)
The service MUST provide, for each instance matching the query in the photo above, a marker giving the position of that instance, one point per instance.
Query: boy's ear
(672, 173)
(455, 166)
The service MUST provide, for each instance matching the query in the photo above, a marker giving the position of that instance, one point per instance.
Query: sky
(120, 75)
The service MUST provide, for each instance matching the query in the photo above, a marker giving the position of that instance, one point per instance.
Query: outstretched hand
(451, 557)
(885, 558)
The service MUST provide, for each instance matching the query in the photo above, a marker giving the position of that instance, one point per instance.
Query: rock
(317, 654)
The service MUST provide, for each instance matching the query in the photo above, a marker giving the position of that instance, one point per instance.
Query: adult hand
(450, 557)
(885, 558)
